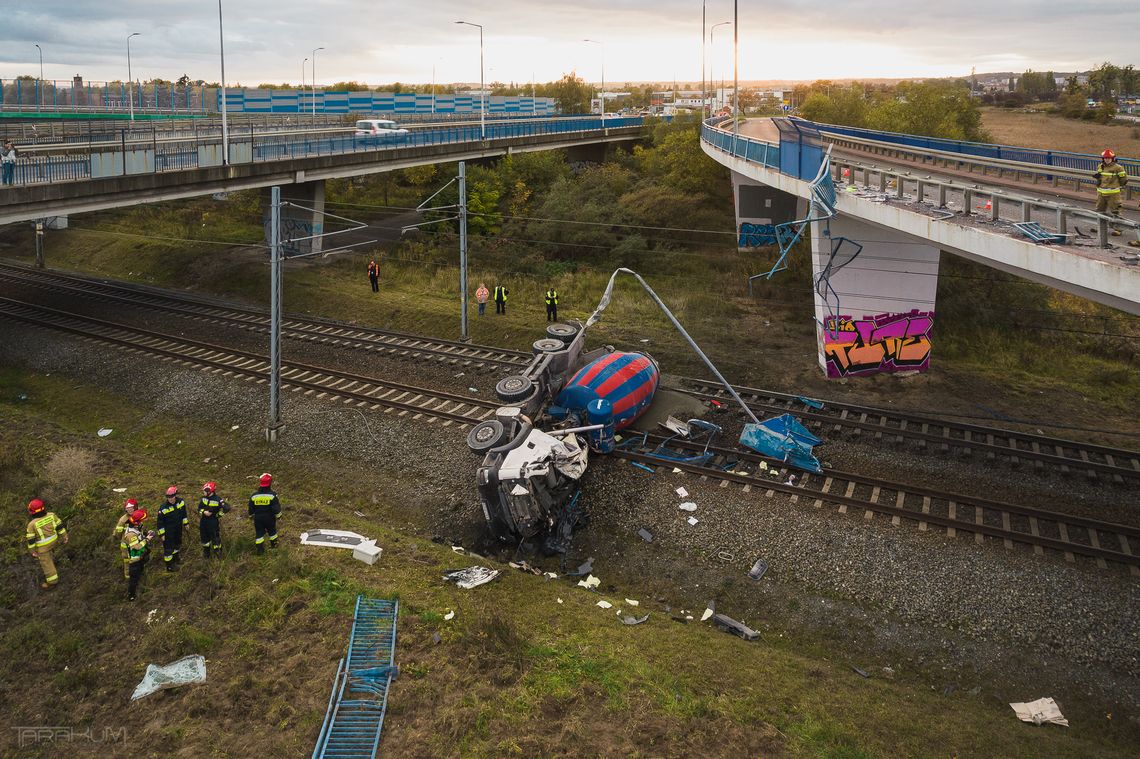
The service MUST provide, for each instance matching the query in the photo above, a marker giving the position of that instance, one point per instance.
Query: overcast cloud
(379, 41)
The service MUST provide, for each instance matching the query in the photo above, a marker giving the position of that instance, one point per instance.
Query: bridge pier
(874, 312)
(303, 219)
(759, 208)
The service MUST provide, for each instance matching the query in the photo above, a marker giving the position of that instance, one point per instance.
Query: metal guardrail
(142, 151)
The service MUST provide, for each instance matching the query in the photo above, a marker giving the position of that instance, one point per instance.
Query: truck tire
(514, 388)
(547, 345)
(562, 331)
(486, 435)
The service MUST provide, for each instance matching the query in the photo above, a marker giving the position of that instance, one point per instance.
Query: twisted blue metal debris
(359, 699)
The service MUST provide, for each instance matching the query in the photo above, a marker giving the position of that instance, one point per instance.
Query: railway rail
(1013, 524)
(887, 425)
(853, 493)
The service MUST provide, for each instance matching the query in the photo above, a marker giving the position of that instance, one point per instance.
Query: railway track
(1014, 525)
(222, 313)
(852, 493)
(358, 390)
(1043, 453)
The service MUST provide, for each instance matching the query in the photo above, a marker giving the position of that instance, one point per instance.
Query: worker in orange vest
(43, 532)
(374, 275)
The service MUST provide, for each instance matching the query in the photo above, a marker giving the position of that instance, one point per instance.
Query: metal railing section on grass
(359, 700)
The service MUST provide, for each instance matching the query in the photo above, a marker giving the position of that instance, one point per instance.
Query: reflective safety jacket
(501, 294)
(212, 504)
(133, 545)
(43, 531)
(373, 269)
(121, 526)
(552, 297)
(1110, 178)
(263, 499)
(170, 514)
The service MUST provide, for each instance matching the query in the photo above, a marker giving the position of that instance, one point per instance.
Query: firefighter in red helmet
(171, 519)
(134, 548)
(43, 533)
(210, 510)
(265, 509)
(1111, 179)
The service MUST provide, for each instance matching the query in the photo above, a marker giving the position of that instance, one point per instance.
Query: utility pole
(704, 92)
(463, 336)
(39, 243)
(274, 427)
(736, 71)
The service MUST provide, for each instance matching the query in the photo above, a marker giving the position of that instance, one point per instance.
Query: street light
(304, 67)
(735, 70)
(130, 81)
(482, 89)
(704, 91)
(603, 92)
(315, 83)
(225, 124)
(40, 84)
(712, 56)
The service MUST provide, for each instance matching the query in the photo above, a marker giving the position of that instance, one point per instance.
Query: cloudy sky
(379, 41)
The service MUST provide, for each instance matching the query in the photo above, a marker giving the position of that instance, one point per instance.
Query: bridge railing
(749, 148)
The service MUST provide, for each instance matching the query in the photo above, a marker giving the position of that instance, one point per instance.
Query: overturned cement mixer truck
(536, 448)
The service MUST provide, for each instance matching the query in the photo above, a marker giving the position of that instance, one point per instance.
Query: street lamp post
(300, 108)
(712, 57)
(482, 88)
(225, 123)
(40, 84)
(735, 70)
(315, 84)
(602, 95)
(130, 81)
(704, 92)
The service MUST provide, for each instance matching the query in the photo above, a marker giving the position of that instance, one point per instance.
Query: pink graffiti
(875, 344)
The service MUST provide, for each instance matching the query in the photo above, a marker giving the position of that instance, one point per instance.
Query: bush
(67, 472)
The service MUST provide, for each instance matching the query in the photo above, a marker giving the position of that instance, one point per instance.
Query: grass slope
(1040, 130)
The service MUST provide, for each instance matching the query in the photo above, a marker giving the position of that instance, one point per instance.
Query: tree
(571, 94)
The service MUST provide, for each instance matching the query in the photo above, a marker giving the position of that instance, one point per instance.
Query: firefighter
(171, 519)
(1110, 180)
(129, 507)
(264, 508)
(501, 294)
(43, 531)
(374, 275)
(210, 510)
(551, 304)
(135, 547)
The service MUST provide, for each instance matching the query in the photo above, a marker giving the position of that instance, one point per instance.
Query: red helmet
(266, 480)
(1108, 155)
(35, 506)
(138, 516)
(131, 504)
(210, 487)
(172, 490)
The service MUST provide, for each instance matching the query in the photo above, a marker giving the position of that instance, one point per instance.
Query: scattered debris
(360, 514)
(368, 552)
(676, 426)
(810, 402)
(589, 583)
(682, 492)
(118, 490)
(1043, 711)
(333, 538)
(730, 625)
(758, 569)
(688, 506)
(436, 638)
(682, 620)
(888, 673)
(471, 577)
(472, 390)
(693, 521)
(791, 480)
(104, 431)
(630, 620)
(459, 375)
(645, 535)
(559, 600)
(150, 616)
(236, 426)
(783, 438)
(583, 569)
(188, 669)
(458, 549)
(639, 465)
(949, 689)
(677, 471)
(709, 611)
(450, 615)
(631, 602)
(605, 604)
(861, 672)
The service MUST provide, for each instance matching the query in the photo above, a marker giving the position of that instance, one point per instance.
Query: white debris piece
(559, 600)
(677, 471)
(118, 490)
(471, 577)
(150, 616)
(334, 539)
(693, 521)
(688, 506)
(708, 613)
(682, 492)
(589, 583)
(631, 602)
(188, 669)
(367, 552)
(450, 615)
(673, 424)
(236, 426)
(1043, 711)
(104, 431)
(605, 604)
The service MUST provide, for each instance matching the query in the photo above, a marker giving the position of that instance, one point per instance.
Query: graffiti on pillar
(293, 228)
(755, 235)
(897, 342)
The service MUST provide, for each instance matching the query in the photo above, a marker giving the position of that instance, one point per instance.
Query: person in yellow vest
(134, 547)
(481, 296)
(129, 507)
(43, 531)
(1110, 180)
(551, 304)
(501, 294)
(265, 510)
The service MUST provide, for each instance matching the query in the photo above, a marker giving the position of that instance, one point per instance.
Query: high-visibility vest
(43, 530)
(552, 297)
(133, 545)
(1111, 177)
(500, 294)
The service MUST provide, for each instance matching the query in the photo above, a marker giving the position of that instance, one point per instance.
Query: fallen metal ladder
(359, 699)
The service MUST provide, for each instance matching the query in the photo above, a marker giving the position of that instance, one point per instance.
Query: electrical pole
(735, 70)
(275, 267)
(704, 92)
(39, 243)
(463, 336)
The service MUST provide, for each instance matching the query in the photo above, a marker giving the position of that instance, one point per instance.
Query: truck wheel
(486, 435)
(562, 331)
(514, 388)
(547, 345)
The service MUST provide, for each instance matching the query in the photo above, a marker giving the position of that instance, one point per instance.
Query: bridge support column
(875, 314)
(303, 219)
(759, 208)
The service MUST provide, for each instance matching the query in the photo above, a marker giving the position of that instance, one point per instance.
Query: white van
(379, 130)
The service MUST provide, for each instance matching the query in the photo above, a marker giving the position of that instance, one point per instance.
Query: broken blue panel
(785, 439)
(810, 402)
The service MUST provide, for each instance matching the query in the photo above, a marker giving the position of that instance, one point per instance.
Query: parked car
(376, 131)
